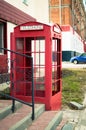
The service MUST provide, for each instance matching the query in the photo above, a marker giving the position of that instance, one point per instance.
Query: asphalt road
(72, 65)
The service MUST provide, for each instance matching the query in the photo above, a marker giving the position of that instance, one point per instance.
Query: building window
(25, 2)
(3, 37)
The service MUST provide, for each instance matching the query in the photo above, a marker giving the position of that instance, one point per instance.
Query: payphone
(43, 43)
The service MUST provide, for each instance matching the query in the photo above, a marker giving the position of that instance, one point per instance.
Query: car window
(84, 54)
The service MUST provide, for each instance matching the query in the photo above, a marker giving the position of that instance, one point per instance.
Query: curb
(55, 121)
(68, 126)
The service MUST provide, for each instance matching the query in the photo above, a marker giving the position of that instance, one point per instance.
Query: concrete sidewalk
(76, 118)
(81, 125)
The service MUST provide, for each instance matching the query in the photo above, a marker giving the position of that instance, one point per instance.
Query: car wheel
(75, 62)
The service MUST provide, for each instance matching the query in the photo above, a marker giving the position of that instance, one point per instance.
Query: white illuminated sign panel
(57, 29)
(33, 27)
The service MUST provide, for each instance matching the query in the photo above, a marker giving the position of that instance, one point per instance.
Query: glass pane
(28, 89)
(54, 56)
(32, 46)
(20, 44)
(55, 73)
(20, 88)
(40, 74)
(54, 52)
(39, 86)
(27, 44)
(1, 36)
(19, 61)
(38, 54)
(37, 58)
(42, 58)
(54, 45)
(19, 74)
(55, 87)
(42, 45)
(37, 46)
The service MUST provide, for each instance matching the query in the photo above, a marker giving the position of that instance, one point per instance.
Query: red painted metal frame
(51, 100)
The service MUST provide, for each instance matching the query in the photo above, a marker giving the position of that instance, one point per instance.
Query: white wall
(41, 8)
(38, 9)
(77, 43)
(72, 42)
(20, 5)
(10, 28)
(66, 41)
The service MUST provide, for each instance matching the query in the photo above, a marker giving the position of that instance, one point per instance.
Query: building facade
(16, 12)
(72, 43)
(10, 16)
(69, 12)
(35, 8)
(64, 12)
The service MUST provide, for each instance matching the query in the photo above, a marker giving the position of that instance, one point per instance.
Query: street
(72, 65)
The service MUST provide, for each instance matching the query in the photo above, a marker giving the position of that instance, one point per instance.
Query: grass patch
(73, 85)
(5, 89)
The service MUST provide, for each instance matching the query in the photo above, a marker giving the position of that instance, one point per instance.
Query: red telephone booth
(43, 43)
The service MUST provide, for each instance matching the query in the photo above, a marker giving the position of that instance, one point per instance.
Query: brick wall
(56, 11)
(70, 12)
(3, 64)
